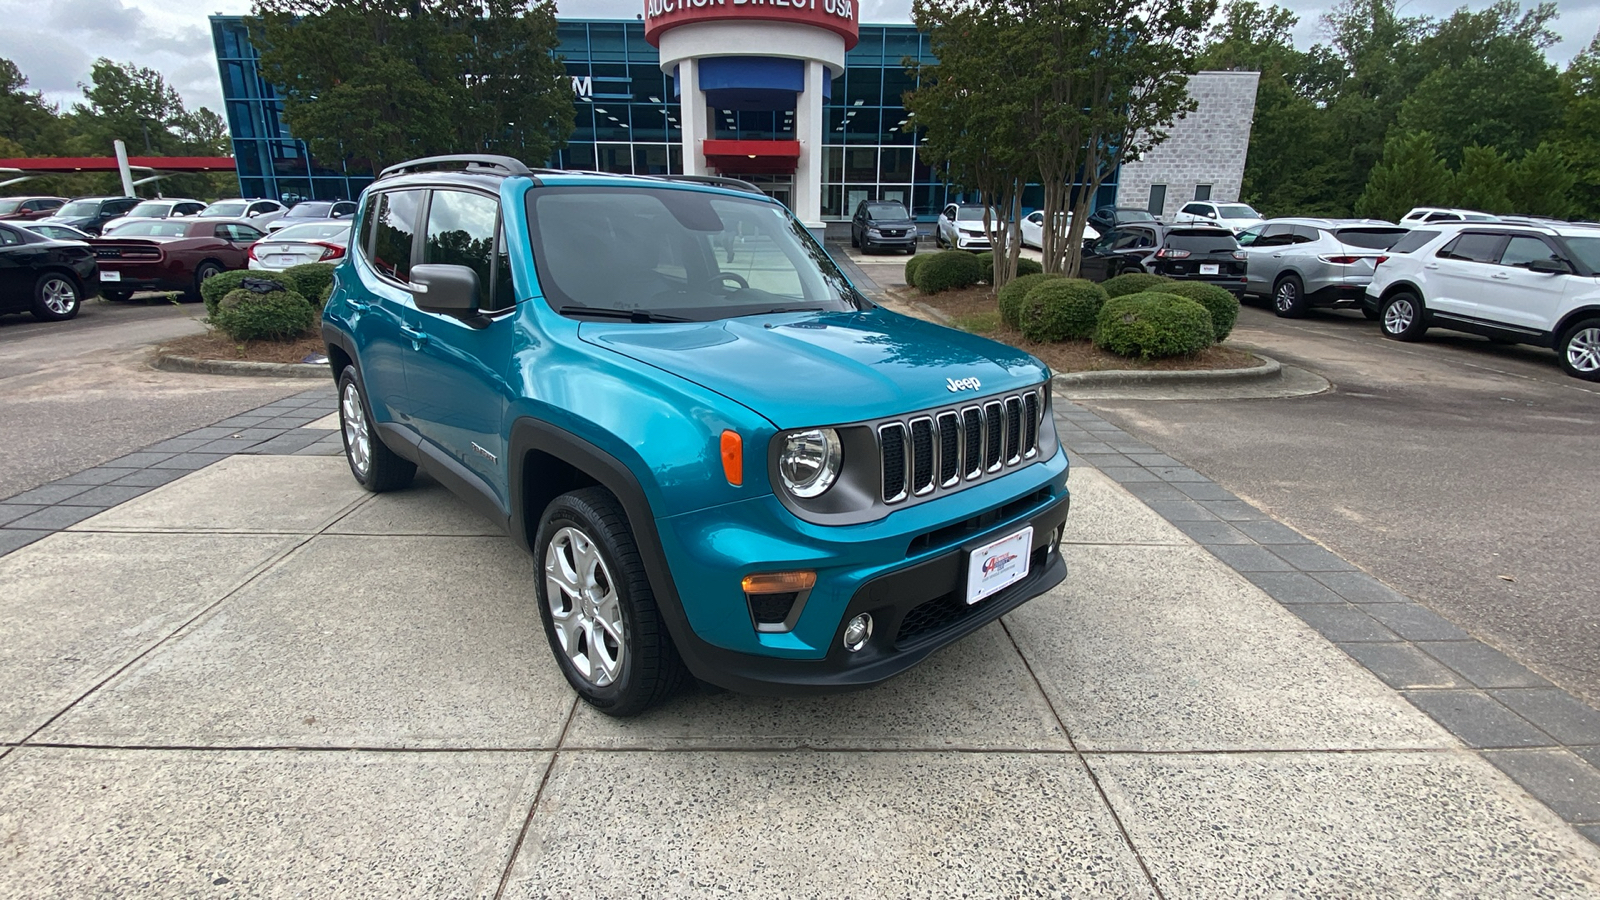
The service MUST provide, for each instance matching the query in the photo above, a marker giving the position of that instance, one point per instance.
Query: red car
(29, 208)
(171, 254)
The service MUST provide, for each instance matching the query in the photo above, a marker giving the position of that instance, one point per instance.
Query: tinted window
(1304, 234)
(309, 211)
(1202, 241)
(972, 214)
(887, 211)
(344, 208)
(1521, 250)
(1413, 240)
(80, 209)
(119, 207)
(1276, 236)
(1442, 217)
(1483, 248)
(1587, 250)
(1250, 236)
(1238, 211)
(9, 237)
(1196, 209)
(461, 232)
(1372, 238)
(396, 223)
(261, 209)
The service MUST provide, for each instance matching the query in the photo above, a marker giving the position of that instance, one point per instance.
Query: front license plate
(110, 276)
(1210, 269)
(998, 565)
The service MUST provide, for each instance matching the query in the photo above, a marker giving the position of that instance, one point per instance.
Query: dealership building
(792, 95)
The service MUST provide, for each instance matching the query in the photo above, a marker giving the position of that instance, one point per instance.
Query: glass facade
(628, 121)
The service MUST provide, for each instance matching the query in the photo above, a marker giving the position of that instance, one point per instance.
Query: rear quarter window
(1371, 238)
(1413, 240)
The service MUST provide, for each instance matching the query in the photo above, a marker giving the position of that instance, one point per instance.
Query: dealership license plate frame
(1210, 268)
(284, 260)
(110, 276)
(981, 584)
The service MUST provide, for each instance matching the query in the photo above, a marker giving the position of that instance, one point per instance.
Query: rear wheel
(1404, 317)
(1289, 297)
(56, 297)
(375, 466)
(202, 273)
(1580, 350)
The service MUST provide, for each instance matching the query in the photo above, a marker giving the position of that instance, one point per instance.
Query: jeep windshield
(668, 254)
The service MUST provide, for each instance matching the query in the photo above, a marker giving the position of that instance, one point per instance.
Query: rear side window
(394, 227)
(1371, 238)
(1483, 248)
(461, 232)
(1413, 240)
(1521, 250)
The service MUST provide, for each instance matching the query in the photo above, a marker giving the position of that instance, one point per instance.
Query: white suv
(1433, 215)
(1513, 283)
(960, 226)
(1235, 217)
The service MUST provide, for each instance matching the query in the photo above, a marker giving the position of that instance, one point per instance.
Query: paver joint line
(533, 807)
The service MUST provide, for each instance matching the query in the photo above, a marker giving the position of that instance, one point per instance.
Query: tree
(1541, 183)
(1410, 174)
(1578, 138)
(374, 82)
(1483, 180)
(134, 104)
(25, 118)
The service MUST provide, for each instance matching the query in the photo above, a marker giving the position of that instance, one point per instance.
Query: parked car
(45, 277)
(27, 209)
(756, 477)
(55, 232)
(155, 209)
(1108, 217)
(313, 210)
(307, 242)
(884, 224)
(1033, 229)
(90, 214)
(1235, 217)
(1513, 284)
(259, 212)
(1306, 263)
(1427, 215)
(960, 226)
(171, 254)
(1188, 253)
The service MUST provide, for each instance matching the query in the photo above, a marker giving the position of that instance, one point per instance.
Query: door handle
(1431, 266)
(418, 338)
(358, 305)
(1277, 256)
(1501, 275)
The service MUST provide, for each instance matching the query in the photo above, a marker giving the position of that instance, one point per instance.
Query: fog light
(857, 633)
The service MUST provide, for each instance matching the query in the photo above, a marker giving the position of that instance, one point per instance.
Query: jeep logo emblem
(963, 384)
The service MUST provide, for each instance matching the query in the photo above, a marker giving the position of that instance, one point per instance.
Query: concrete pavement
(257, 680)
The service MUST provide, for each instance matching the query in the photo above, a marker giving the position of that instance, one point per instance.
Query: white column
(122, 167)
(808, 128)
(692, 112)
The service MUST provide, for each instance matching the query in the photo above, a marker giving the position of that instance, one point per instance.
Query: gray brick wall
(1207, 146)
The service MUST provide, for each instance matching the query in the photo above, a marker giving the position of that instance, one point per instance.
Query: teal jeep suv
(726, 461)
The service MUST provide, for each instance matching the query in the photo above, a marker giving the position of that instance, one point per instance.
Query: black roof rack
(470, 162)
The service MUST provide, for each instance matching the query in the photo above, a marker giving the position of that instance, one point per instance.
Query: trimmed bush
(1061, 309)
(245, 315)
(1026, 266)
(1133, 283)
(1153, 326)
(948, 270)
(218, 286)
(986, 264)
(1010, 296)
(1223, 306)
(913, 264)
(311, 279)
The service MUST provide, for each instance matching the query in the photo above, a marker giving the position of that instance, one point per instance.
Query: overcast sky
(55, 41)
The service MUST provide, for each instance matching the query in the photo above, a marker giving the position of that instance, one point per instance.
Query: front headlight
(809, 462)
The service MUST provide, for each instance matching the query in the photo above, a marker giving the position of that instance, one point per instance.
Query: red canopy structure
(67, 165)
(753, 157)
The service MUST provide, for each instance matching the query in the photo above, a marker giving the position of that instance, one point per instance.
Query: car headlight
(809, 462)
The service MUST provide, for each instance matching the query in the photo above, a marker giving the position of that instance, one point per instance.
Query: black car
(1108, 217)
(47, 278)
(1184, 252)
(884, 224)
(90, 214)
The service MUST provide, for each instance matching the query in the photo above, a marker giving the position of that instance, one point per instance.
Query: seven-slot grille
(949, 448)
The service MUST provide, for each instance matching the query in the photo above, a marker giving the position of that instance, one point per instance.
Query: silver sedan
(308, 242)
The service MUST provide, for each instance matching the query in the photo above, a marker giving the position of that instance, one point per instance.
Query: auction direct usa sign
(838, 16)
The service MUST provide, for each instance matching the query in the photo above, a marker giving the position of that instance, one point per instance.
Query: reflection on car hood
(801, 370)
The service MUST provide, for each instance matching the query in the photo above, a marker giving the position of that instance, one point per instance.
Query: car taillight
(1238, 254)
(1170, 253)
(1379, 261)
(1341, 260)
(252, 252)
(329, 251)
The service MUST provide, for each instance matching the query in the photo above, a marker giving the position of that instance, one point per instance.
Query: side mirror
(1088, 244)
(1211, 214)
(444, 288)
(1550, 267)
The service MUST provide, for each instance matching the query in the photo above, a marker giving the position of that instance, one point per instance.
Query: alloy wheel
(357, 437)
(60, 296)
(1285, 296)
(1398, 316)
(584, 606)
(1583, 351)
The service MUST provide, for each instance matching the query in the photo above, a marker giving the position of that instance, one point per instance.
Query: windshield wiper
(642, 316)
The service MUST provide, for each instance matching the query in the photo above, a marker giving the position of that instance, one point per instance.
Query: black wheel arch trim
(1573, 318)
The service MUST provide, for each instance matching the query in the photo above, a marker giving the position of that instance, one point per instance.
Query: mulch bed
(216, 345)
(973, 309)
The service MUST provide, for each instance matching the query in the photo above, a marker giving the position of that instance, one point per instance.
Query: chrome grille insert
(892, 443)
(922, 469)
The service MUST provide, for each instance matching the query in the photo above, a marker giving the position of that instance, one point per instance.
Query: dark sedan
(47, 278)
(885, 225)
(1186, 253)
(171, 255)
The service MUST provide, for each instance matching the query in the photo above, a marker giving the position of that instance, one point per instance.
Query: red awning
(66, 165)
(753, 157)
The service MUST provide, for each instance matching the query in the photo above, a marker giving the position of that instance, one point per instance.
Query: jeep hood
(801, 370)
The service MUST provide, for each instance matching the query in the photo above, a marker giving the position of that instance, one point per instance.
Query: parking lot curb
(171, 362)
(1269, 369)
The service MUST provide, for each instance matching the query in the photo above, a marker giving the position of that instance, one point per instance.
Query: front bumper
(884, 240)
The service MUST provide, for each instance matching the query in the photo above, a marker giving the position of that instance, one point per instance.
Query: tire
(374, 465)
(599, 613)
(1289, 297)
(1579, 348)
(854, 241)
(116, 295)
(202, 272)
(56, 297)
(1404, 317)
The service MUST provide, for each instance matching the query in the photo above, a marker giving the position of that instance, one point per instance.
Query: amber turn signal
(733, 457)
(779, 582)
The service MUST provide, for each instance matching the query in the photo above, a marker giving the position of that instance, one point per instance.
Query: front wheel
(1580, 350)
(56, 297)
(1288, 297)
(375, 466)
(599, 613)
(1404, 318)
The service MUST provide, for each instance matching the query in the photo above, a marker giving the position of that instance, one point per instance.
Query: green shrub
(1133, 283)
(915, 263)
(986, 264)
(948, 270)
(1026, 266)
(1010, 296)
(1223, 306)
(218, 286)
(311, 279)
(1061, 309)
(1152, 326)
(245, 315)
